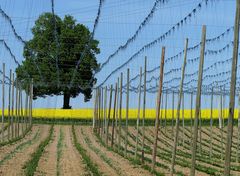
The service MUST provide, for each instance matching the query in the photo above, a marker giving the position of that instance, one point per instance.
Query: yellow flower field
(88, 113)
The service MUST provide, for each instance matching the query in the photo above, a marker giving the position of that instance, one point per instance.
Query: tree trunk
(66, 101)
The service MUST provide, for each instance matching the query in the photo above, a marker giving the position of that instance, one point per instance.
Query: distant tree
(42, 51)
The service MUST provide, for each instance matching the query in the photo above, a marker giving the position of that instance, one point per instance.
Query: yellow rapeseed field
(150, 113)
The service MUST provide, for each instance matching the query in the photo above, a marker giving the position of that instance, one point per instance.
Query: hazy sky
(118, 22)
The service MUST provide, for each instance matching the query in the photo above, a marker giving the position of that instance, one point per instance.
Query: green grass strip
(59, 150)
(31, 165)
(91, 167)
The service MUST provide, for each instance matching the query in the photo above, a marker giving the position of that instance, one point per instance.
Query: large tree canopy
(67, 44)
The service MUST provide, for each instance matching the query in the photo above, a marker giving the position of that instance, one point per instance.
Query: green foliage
(43, 50)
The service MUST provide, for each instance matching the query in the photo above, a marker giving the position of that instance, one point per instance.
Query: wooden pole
(232, 92)
(114, 114)
(19, 110)
(3, 98)
(221, 125)
(95, 110)
(22, 114)
(99, 111)
(178, 109)
(117, 111)
(9, 104)
(12, 117)
(109, 113)
(211, 125)
(165, 113)
(16, 108)
(26, 110)
(157, 109)
(31, 101)
(144, 108)
(238, 136)
(102, 116)
(191, 114)
(172, 114)
(105, 113)
(183, 123)
(127, 111)
(198, 100)
(120, 114)
(139, 108)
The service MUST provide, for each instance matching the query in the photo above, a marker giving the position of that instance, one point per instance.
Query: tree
(68, 43)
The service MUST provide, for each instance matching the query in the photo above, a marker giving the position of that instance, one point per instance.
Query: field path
(71, 163)
(48, 162)
(14, 165)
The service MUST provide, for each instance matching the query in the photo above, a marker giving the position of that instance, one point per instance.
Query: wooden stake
(232, 92)
(191, 114)
(114, 114)
(105, 114)
(3, 98)
(12, 117)
(157, 109)
(183, 124)
(127, 111)
(211, 125)
(16, 109)
(120, 114)
(172, 113)
(238, 136)
(109, 113)
(178, 109)
(9, 103)
(144, 108)
(117, 111)
(139, 108)
(165, 113)
(198, 100)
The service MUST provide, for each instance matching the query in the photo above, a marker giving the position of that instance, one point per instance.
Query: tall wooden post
(157, 109)
(19, 110)
(127, 111)
(139, 108)
(31, 101)
(221, 120)
(178, 109)
(165, 113)
(232, 91)
(114, 113)
(183, 123)
(117, 111)
(173, 114)
(191, 114)
(109, 113)
(16, 108)
(211, 125)
(12, 117)
(26, 110)
(22, 114)
(95, 111)
(9, 103)
(238, 134)
(198, 101)
(120, 114)
(3, 98)
(144, 108)
(105, 113)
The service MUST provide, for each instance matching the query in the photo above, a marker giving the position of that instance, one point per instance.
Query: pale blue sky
(118, 21)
